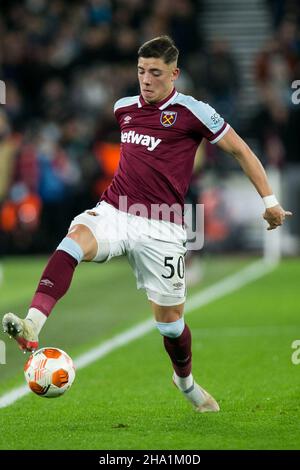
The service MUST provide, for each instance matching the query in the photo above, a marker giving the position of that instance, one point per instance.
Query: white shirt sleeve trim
(220, 135)
(128, 101)
(202, 111)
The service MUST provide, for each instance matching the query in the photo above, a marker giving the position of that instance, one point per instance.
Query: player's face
(156, 78)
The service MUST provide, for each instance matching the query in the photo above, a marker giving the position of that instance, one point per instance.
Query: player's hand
(275, 216)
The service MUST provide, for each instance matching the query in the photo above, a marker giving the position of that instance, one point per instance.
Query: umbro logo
(47, 283)
(178, 285)
(127, 119)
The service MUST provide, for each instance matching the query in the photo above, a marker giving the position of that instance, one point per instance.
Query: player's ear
(175, 74)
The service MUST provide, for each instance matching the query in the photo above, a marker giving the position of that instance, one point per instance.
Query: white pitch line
(1, 274)
(219, 289)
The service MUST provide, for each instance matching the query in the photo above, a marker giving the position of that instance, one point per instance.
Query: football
(49, 372)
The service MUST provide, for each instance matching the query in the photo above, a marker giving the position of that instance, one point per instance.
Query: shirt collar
(160, 104)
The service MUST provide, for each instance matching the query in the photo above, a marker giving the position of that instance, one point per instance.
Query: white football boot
(22, 331)
(198, 397)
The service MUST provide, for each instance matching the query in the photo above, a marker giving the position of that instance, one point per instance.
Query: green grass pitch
(126, 400)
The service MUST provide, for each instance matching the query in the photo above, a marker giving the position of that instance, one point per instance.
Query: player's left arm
(232, 143)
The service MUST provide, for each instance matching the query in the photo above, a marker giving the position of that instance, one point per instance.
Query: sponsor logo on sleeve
(216, 118)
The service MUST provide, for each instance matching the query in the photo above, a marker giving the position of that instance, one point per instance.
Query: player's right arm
(233, 144)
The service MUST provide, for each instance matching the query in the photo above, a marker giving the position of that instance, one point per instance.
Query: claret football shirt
(158, 146)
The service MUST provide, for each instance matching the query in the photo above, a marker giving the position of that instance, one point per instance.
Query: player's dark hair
(162, 47)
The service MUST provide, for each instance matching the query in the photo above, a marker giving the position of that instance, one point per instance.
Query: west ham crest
(168, 118)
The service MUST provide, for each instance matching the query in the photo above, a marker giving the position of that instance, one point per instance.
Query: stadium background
(64, 65)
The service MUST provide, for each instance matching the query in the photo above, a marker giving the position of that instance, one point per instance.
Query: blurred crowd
(277, 67)
(64, 65)
(276, 123)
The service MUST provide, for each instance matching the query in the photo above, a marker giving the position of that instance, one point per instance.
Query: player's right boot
(199, 398)
(22, 331)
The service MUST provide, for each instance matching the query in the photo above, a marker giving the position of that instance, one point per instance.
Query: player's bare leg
(177, 342)
(79, 244)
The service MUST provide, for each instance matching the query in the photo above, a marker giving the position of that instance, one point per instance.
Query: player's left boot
(22, 331)
(199, 398)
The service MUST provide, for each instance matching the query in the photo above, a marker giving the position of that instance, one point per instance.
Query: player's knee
(83, 237)
(171, 329)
